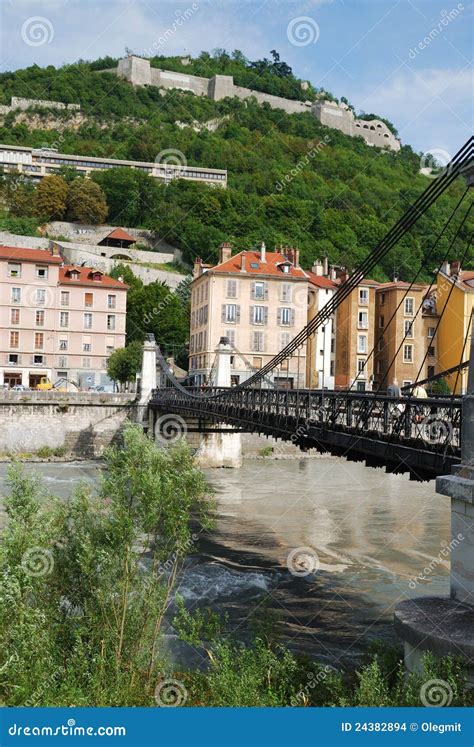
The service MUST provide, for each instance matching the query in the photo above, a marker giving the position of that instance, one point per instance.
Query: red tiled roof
(467, 279)
(120, 235)
(402, 285)
(320, 281)
(85, 278)
(18, 254)
(269, 267)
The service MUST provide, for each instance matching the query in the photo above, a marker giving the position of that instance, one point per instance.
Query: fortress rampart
(139, 72)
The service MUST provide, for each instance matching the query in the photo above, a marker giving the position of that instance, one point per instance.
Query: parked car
(20, 388)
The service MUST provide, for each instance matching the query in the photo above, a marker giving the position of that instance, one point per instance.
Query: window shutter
(265, 291)
(251, 313)
(252, 290)
(279, 316)
(237, 313)
(265, 315)
(262, 347)
(223, 313)
(292, 317)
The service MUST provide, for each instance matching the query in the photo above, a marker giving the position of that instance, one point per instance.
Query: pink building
(57, 320)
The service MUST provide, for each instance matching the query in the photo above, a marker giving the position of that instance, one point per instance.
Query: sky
(407, 60)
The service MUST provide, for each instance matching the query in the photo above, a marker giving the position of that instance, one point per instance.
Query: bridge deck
(419, 436)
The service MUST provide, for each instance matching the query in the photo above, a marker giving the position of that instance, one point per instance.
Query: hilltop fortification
(139, 72)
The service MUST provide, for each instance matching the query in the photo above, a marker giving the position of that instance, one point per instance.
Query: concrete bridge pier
(445, 625)
(148, 379)
(223, 448)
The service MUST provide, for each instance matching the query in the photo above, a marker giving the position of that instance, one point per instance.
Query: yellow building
(455, 291)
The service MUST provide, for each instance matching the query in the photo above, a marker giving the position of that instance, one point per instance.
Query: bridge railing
(433, 424)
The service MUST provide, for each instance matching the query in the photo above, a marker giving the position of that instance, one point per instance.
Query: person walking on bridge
(393, 390)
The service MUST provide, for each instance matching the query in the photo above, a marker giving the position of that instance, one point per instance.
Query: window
(407, 382)
(361, 365)
(409, 306)
(231, 288)
(63, 342)
(382, 299)
(230, 313)
(86, 363)
(285, 292)
(111, 302)
(258, 314)
(361, 386)
(381, 321)
(230, 334)
(40, 296)
(64, 298)
(257, 362)
(39, 340)
(381, 344)
(62, 361)
(64, 319)
(39, 318)
(257, 342)
(41, 272)
(431, 331)
(408, 328)
(14, 316)
(110, 321)
(16, 295)
(408, 353)
(88, 320)
(331, 368)
(363, 296)
(14, 270)
(14, 358)
(38, 360)
(363, 320)
(285, 317)
(259, 290)
(284, 339)
(14, 339)
(431, 351)
(86, 344)
(361, 343)
(88, 300)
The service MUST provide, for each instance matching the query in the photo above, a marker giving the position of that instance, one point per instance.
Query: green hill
(291, 180)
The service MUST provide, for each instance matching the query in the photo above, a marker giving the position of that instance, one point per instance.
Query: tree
(51, 197)
(86, 202)
(124, 363)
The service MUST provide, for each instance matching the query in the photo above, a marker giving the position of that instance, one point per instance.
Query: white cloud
(431, 108)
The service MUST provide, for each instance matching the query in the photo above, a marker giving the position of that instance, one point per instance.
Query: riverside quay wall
(79, 424)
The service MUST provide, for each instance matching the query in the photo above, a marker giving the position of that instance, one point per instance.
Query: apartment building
(259, 301)
(321, 346)
(354, 339)
(38, 162)
(455, 303)
(56, 320)
(405, 333)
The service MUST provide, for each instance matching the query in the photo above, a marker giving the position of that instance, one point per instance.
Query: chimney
(446, 268)
(318, 268)
(54, 249)
(197, 268)
(395, 277)
(343, 274)
(120, 278)
(263, 250)
(332, 273)
(455, 268)
(242, 262)
(293, 256)
(225, 252)
(325, 267)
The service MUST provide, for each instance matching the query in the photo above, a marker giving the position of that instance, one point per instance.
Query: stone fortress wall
(139, 72)
(20, 104)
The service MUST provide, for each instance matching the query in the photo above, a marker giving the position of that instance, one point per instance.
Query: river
(365, 537)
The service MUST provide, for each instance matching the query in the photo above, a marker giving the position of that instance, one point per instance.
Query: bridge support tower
(445, 625)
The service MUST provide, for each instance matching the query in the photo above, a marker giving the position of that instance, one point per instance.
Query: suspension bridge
(404, 434)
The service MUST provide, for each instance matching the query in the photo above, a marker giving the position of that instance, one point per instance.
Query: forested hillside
(291, 180)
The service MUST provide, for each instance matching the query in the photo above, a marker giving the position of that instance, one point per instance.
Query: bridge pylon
(444, 625)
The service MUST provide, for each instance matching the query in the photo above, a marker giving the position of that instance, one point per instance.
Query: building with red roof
(119, 238)
(56, 320)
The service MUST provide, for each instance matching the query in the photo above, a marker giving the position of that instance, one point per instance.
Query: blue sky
(407, 60)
